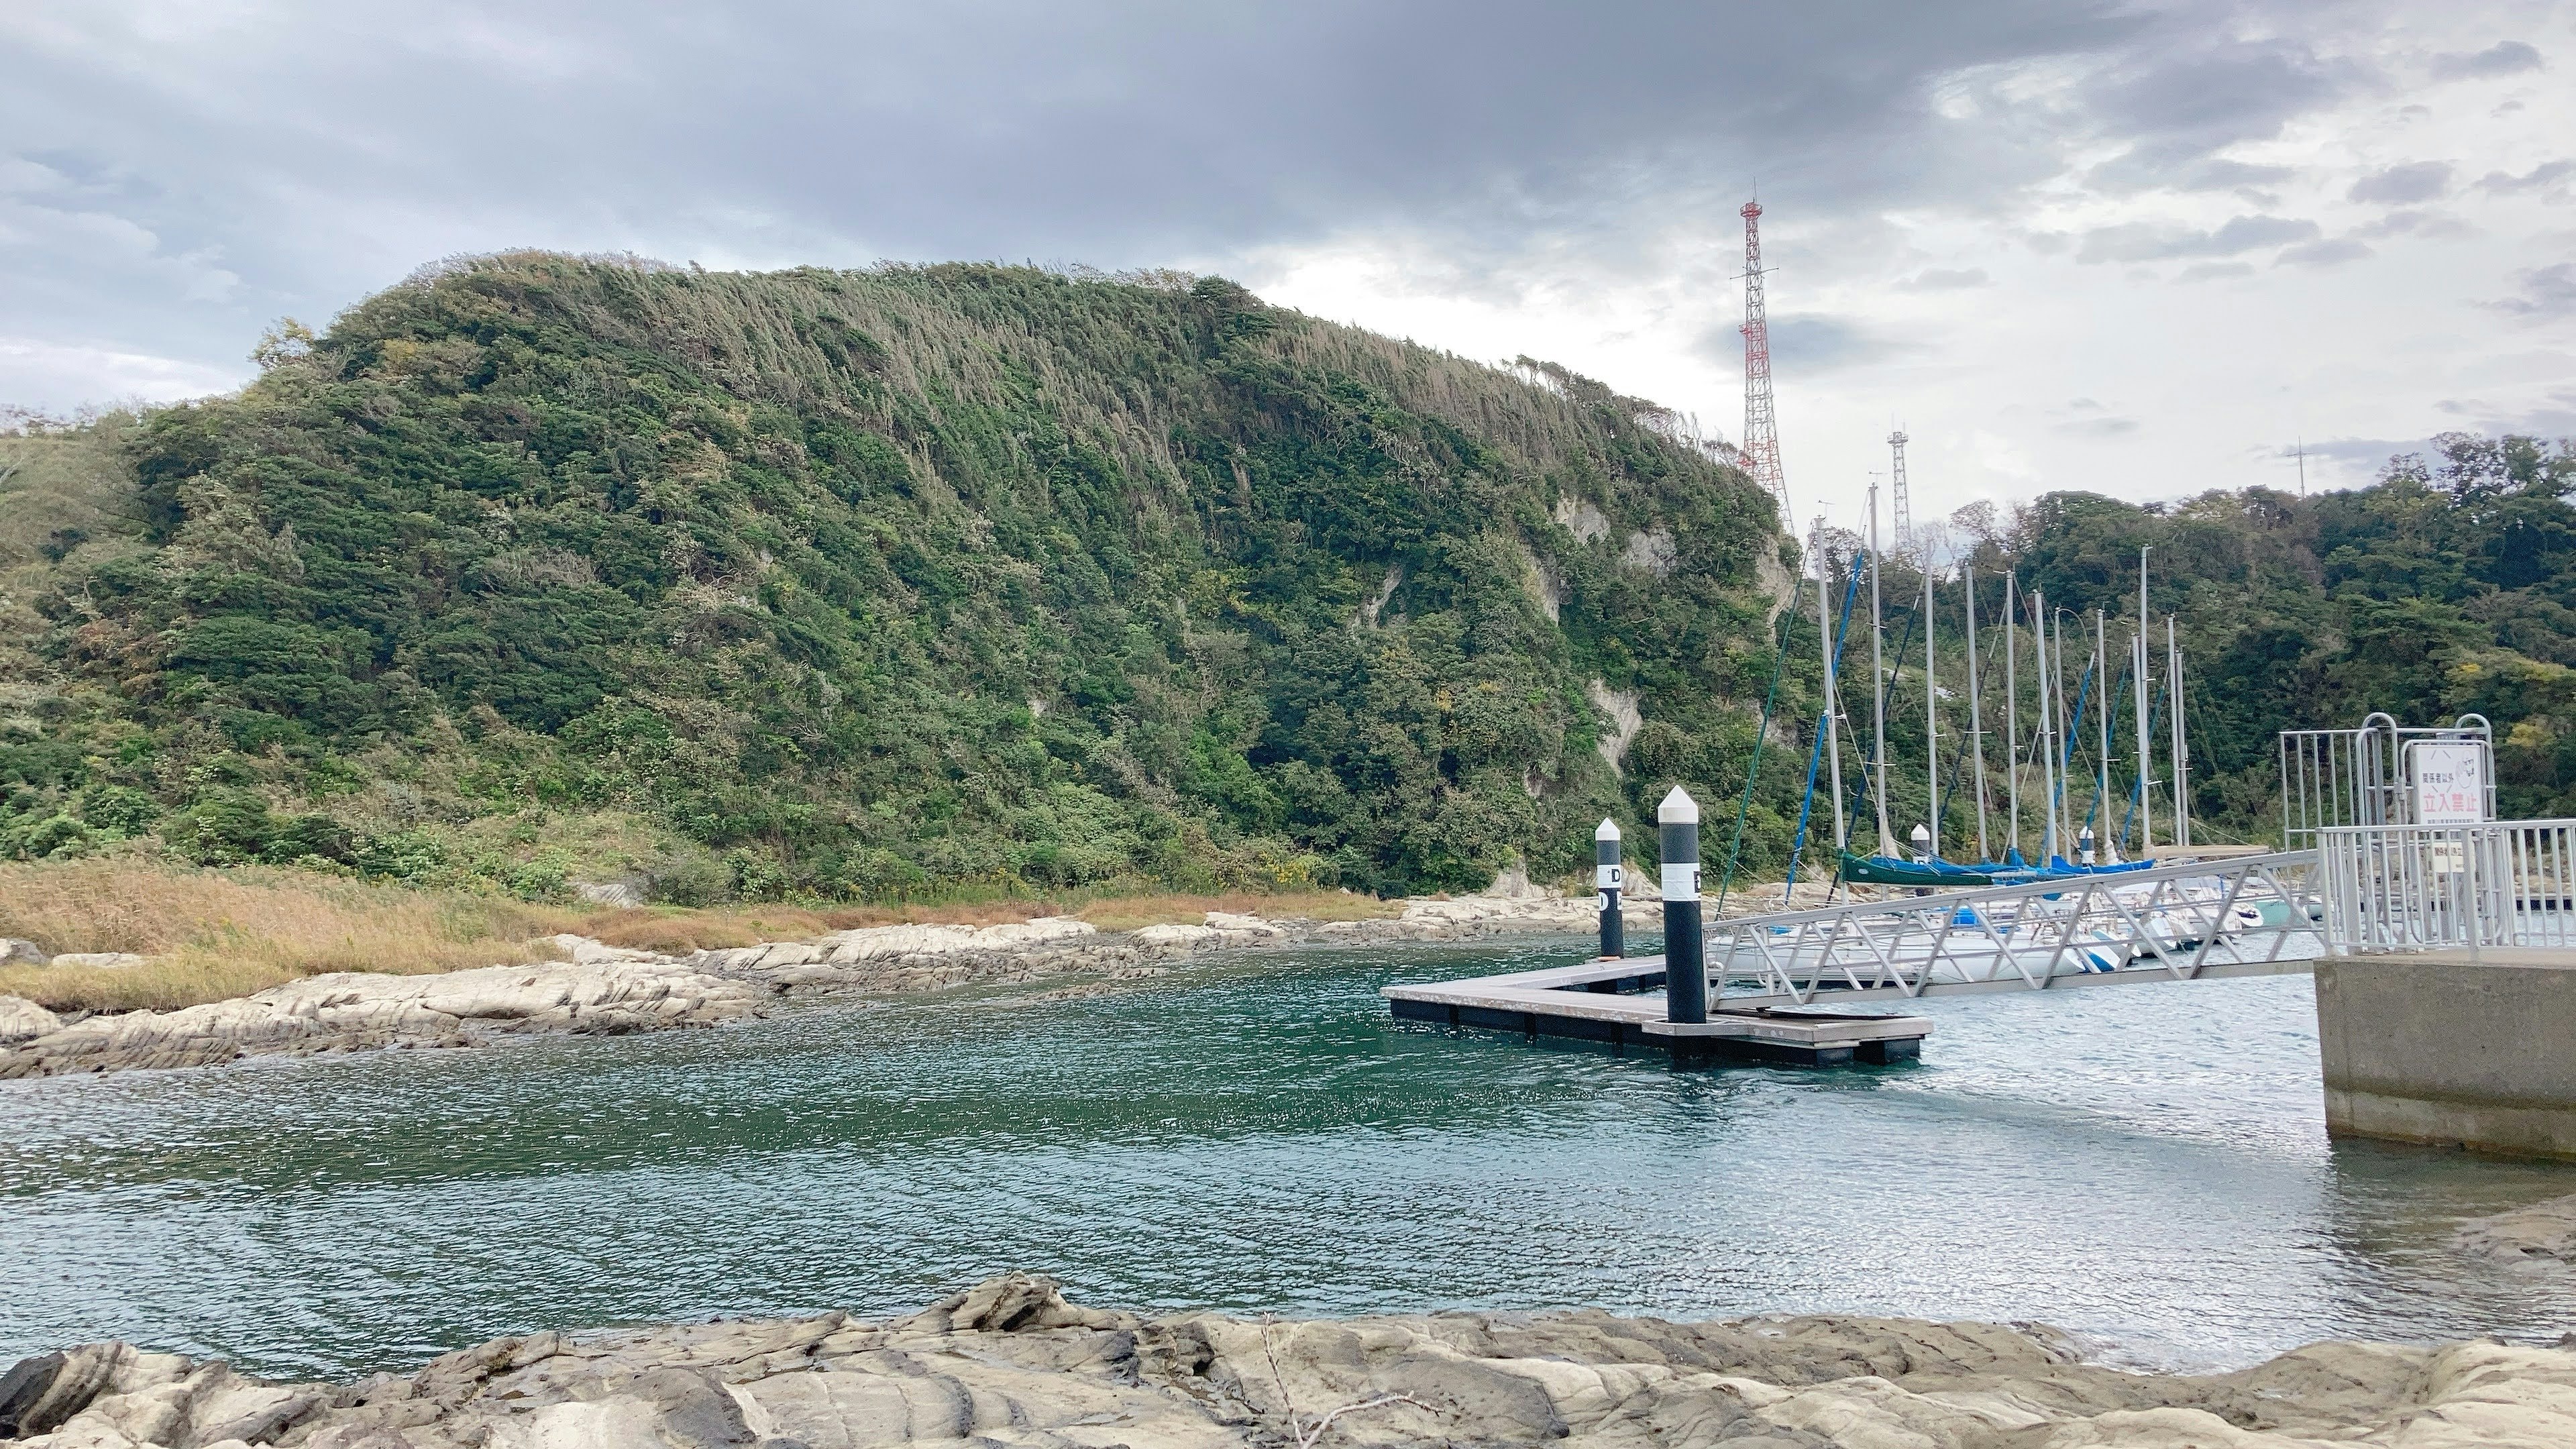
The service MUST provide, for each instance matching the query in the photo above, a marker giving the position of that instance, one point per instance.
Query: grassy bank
(214, 934)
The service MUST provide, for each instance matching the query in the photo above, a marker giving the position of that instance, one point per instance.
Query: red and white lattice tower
(1761, 430)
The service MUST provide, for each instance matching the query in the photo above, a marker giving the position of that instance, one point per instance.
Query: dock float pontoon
(1608, 1002)
(1628, 1002)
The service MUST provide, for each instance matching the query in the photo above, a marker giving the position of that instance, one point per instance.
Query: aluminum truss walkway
(2251, 915)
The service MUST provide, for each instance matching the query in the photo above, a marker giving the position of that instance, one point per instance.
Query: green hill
(833, 584)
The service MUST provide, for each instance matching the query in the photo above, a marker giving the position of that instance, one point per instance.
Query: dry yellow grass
(216, 934)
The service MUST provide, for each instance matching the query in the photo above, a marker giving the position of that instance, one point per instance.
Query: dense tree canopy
(857, 583)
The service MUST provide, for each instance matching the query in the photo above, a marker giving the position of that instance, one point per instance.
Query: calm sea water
(2145, 1165)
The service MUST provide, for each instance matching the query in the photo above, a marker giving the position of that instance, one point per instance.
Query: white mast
(2181, 745)
(1931, 718)
(1976, 719)
(2047, 726)
(1878, 685)
(2102, 713)
(2146, 744)
(2012, 711)
(1833, 693)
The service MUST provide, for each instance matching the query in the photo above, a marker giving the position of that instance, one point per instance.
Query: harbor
(1221, 1139)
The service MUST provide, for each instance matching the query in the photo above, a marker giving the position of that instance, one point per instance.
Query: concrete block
(2434, 1047)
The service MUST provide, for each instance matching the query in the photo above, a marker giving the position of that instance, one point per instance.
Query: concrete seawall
(2437, 1048)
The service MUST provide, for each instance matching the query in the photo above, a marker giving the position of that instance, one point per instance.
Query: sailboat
(2055, 746)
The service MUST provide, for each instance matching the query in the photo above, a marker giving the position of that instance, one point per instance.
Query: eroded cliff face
(1011, 1362)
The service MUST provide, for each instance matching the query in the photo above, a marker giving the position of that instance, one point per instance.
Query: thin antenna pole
(1976, 718)
(2012, 710)
(1833, 689)
(1878, 685)
(1931, 719)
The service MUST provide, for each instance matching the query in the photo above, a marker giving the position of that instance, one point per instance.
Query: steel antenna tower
(1761, 429)
(1900, 503)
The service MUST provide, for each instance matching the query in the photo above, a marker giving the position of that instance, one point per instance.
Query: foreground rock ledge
(1010, 1362)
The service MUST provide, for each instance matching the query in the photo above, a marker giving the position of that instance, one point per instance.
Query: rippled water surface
(2146, 1165)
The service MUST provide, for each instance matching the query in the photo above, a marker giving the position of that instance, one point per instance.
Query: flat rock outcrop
(607, 989)
(1012, 1363)
(345, 1010)
(2544, 1231)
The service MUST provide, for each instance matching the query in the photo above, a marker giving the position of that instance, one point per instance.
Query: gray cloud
(2326, 253)
(2429, 225)
(172, 179)
(2548, 293)
(2181, 105)
(2403, 185)
(2547, 176)
(1940, 279)
(2505, 57)
(2214, 271)
(2151, 242)
(1810, 343)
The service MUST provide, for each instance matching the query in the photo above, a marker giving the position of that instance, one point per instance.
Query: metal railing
(2437, 887)
(2335, 778)
(2178, 922)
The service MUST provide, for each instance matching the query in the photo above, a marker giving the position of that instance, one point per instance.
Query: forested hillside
(536, 569)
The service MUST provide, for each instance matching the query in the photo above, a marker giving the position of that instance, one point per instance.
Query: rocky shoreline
(1011, 1362)
(606, 990)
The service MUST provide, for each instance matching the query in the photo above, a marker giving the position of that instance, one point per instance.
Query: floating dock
(1620, 1004)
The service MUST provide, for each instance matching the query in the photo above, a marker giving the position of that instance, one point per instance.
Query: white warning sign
(2450, 782)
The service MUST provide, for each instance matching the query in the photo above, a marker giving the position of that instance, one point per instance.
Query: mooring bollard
(1685, 954)
(1610, 876)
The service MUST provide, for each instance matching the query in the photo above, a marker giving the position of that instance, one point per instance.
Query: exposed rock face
(353, 1009)
(22, 1020)
(2543, 1231)
(1010, 1362)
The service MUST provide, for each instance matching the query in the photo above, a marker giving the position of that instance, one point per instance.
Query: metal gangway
(2193, 920)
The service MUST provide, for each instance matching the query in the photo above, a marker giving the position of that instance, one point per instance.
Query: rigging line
(1872, 764)
(2137, 790)
(1985, 674)
(2074, 731)
(2121, 692)
(1806, 802)
(1753, 773)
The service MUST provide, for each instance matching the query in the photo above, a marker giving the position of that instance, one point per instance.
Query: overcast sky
(2136, 248)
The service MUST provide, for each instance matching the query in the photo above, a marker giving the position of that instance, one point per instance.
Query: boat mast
(2047, 726)
(2181, 747)
(1833, 692)
(1878, 687)
(1976, 719)
(1931, 717)
(2012, 713)
(2102, 683)
(2146, 742)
